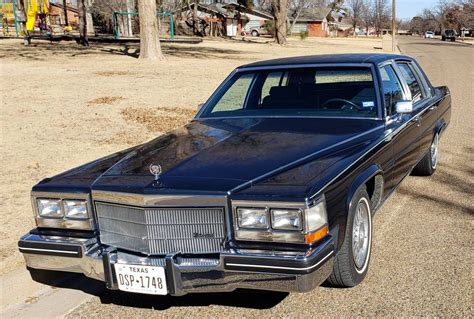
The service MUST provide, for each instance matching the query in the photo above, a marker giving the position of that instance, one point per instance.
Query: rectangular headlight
(252, 218)
(62, 210)
(49, 208)
(286, 219)
(75, 209)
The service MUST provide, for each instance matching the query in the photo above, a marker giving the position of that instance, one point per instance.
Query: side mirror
(199, 107)
(404, 107)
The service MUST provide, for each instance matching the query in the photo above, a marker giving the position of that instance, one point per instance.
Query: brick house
(312, 20)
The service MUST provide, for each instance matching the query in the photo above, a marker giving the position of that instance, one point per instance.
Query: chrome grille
(162, 230)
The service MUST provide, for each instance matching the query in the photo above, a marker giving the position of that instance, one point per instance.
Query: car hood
(221, 155)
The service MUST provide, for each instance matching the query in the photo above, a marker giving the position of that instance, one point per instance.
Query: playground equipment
(36, 9)
(125, 24)
(9, 18)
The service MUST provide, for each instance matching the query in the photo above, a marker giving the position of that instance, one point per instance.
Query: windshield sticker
(368, 104)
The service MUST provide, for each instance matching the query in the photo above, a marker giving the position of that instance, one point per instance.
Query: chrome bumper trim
(224, 272)
(281, 267)
(26, 250)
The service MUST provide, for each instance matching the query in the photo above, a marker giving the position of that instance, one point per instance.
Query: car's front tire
(427, 165)
(255, 33)
(352, 261)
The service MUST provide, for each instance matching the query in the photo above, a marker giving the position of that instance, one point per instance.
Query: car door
(402, 130)
(424, 112)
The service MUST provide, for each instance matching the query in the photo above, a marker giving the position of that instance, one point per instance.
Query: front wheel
(352, 261)
(255, 33)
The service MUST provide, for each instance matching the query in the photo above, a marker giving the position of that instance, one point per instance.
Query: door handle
(433, 107)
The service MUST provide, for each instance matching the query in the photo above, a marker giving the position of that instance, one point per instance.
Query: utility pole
(394, 32)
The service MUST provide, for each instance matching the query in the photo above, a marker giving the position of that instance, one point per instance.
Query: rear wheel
(352, 261)
(427, 165)
(255, 33)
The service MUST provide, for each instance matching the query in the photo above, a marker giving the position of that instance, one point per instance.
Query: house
(311, 20)
(228, 19)
(56, 14)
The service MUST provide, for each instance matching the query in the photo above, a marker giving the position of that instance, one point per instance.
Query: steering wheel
(357, 107)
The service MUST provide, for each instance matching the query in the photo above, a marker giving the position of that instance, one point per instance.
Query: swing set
(125, 24)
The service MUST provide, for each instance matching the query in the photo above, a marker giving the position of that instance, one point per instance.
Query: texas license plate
(141, 279)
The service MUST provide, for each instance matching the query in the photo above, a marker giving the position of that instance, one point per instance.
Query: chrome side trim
(281, 267)
(159, 200)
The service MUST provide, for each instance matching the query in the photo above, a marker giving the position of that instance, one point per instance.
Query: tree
(381, 15)
(86, 26)
(367, 16)
(279, 10)
(150, 47)
(355, 12)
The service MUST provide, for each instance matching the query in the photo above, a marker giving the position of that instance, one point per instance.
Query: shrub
(303, 35)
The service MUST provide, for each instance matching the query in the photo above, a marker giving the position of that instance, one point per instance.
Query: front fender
(360, 180)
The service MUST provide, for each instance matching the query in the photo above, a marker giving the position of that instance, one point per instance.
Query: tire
(427, 165)
(350, 268)
(255, 33)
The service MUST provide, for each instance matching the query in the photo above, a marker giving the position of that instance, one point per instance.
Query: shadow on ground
(239, 298)
(42, 50)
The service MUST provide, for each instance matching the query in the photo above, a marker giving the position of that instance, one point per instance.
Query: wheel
(427, 165)
(352, 261)
(255, 33)
(453, 40)
(242, 33)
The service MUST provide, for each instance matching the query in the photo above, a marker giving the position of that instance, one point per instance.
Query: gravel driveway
(422, 255)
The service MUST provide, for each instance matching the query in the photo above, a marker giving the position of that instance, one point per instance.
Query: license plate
(141, 279)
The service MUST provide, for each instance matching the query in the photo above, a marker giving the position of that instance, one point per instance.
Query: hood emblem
(155, 169)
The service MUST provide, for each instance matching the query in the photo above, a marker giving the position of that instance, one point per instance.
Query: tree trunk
(81, 7)
(66, 21)
(279, 8)
(150, 48)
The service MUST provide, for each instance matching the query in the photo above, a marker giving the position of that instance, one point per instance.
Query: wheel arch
(373, 179)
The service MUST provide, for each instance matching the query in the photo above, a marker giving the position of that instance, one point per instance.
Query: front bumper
(265, 270)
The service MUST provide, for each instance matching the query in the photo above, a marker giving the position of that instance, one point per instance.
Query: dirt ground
(62, 106)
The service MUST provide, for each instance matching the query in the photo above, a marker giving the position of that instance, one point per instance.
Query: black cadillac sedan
(273, 185)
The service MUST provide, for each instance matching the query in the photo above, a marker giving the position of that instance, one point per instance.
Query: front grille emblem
(155, 169)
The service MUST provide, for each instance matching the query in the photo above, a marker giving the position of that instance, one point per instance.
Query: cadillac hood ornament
(156, 170)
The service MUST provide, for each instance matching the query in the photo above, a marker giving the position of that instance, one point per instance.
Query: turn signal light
(316, 235)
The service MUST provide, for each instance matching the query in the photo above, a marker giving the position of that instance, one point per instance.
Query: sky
(407, 9)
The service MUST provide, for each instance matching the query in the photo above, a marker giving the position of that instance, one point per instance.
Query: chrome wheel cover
(361, 235)
(434, 151)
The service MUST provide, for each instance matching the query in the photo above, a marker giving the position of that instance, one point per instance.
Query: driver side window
(392, 89)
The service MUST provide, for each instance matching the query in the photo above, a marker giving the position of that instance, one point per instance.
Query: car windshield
(316, 91)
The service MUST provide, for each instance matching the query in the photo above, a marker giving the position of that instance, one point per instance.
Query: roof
(328, 59)
(313, 14)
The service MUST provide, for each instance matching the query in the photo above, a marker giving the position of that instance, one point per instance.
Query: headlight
(291, 222)
(252, 218)
(76, 209)
(62, 210)
(286, 219)
(50, 208)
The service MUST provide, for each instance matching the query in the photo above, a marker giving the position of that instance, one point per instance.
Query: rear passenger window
(412, 81)
(392, 89)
